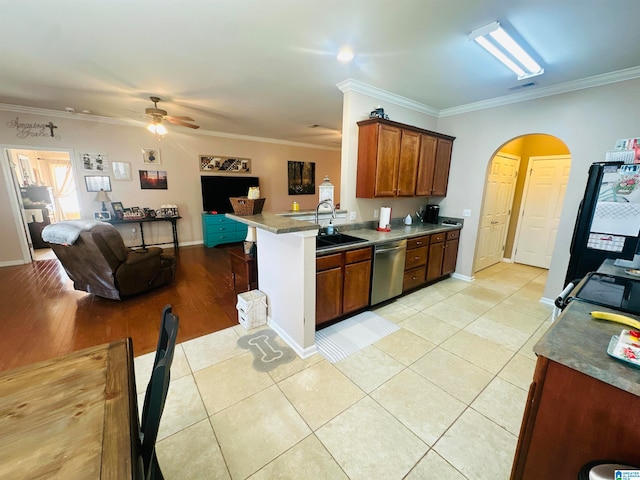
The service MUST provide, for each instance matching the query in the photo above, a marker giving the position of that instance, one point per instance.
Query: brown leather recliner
(98, 261)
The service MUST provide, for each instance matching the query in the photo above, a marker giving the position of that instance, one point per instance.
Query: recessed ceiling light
(345, 55)
(70, 109)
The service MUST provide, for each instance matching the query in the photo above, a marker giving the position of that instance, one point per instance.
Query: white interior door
(545, 189)
(496, 210)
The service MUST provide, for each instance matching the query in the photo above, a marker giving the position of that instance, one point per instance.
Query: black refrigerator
(608, 220)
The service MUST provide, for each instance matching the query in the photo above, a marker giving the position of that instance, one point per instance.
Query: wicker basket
(246, 206)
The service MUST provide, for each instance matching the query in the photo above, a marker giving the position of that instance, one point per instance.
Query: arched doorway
(514, 192)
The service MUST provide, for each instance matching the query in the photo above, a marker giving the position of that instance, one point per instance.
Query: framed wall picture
(302, 178)
(103, 216)
(219, 164)
(95, 162)
(95, 183)
(121, 170)
(151, 155)
(153, 180)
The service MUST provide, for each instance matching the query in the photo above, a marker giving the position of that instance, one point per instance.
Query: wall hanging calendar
(302, 178)
(215, 163)
(95, 162)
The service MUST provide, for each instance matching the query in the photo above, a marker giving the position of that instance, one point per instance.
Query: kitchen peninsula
(287, 269)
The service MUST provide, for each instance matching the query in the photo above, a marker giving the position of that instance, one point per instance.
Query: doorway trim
(5, 167)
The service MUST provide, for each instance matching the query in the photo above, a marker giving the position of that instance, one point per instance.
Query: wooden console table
(71, 417)
(244, 269)
(141, 221)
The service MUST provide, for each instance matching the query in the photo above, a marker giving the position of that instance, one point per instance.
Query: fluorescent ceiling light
(495, 40)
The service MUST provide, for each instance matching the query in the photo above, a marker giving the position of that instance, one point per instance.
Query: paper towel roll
(385, 217)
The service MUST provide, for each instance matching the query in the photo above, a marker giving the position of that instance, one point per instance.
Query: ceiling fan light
(345, 55)
(152, 127)
(160, 129)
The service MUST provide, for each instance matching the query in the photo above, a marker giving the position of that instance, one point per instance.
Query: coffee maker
(431, 214)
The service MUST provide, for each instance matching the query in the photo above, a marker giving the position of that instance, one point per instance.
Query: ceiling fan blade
(180, 122)
(188, 119)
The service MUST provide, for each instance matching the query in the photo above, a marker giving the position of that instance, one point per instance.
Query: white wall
(588, 121)
(179, 156)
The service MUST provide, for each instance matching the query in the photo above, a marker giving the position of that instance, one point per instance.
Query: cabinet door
(328, 295)
(408, 164)
(441, 170)
(386, 177)
(357, 278)
(434, 263)
(450, 256)
(426, 165)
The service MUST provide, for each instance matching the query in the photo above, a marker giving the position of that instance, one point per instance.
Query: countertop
(580, 342)
(276, 223)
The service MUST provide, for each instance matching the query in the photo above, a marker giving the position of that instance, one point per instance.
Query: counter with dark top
(579, 341)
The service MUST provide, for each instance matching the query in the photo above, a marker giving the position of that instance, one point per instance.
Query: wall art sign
(151, 155)
(218, 164)
(153, 179)
(95, 183)
(33, 129)
(95, 162)
(121, 170)
(302, 178)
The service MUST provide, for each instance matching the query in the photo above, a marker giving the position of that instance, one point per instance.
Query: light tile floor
(442, 398)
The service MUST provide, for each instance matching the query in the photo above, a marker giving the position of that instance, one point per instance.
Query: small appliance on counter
(606, 290)
(431, 213)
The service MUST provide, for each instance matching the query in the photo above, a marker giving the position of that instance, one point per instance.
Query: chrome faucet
(325, 202)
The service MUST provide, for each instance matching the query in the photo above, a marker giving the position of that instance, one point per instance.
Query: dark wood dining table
(72, 417)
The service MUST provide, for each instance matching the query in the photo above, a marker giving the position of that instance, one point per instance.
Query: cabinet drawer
(217, 219)
(453, 234)
(358, 255)
(328, 261)
(413, 278)
(221, 228)
(438, 237)
(416, 257)
(221, 237)
(417, 242)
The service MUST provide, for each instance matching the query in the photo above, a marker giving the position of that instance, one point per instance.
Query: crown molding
(137, 123)
(589, 82)
(351, 85)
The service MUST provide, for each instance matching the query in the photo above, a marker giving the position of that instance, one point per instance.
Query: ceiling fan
(157, 115)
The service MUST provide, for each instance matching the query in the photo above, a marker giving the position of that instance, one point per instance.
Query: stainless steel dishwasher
(388, 270)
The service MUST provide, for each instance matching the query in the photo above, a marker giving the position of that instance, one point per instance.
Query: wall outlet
(353, 215)
(375, 214)
(466, 212)
(133, 232)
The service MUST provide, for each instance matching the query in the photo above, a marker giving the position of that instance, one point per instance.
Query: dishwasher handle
(390, 249)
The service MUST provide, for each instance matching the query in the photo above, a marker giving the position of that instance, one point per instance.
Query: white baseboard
(463, 277)
(507, 260)
(13, 263)
(300, 351)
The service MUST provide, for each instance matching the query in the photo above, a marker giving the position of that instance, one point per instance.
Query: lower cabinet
(218, 229)
(343, 283)
(415, 264)
(443, 254)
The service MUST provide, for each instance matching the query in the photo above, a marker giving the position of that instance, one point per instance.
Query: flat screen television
(216, 191)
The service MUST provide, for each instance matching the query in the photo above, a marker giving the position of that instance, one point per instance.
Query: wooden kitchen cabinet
(399, 160)
(433, 166)
(415, 264)
(343, 283)
(443, 254)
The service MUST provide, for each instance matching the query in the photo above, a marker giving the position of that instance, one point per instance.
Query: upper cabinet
(397, 160)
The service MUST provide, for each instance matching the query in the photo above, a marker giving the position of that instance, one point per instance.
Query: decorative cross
(51, 126)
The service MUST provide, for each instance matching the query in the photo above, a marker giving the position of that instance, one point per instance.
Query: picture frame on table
(102, 216)
(118, 209)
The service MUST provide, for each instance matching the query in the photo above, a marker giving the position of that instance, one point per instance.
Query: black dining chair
(156, 394)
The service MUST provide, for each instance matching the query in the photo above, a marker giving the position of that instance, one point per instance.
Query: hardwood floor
(42, 316)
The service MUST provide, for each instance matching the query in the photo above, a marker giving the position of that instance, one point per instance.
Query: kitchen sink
(335, 240)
